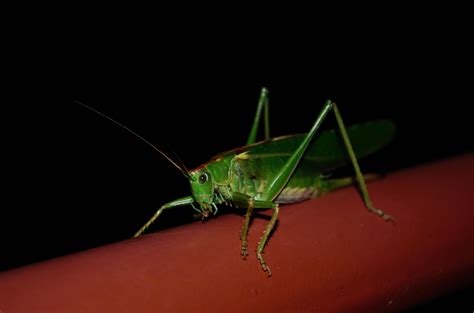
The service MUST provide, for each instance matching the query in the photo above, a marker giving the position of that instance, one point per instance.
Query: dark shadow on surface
(458, 301)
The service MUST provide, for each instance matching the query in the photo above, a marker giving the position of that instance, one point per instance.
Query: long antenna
(181, 169)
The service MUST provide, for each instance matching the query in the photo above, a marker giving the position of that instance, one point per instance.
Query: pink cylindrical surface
(326, 255)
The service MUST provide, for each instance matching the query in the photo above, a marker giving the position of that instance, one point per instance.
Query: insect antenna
(178, 159)
(179, 166)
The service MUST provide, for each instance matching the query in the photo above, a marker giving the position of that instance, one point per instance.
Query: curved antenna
(181, 169)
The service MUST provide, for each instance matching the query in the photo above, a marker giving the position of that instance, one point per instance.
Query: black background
(73, 180)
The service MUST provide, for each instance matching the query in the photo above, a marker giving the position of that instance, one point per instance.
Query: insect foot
(264, 265)
(386, 217)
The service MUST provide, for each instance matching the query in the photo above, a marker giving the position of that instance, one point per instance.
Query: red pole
(327, 255)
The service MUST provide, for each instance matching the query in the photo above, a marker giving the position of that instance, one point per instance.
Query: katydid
(288, 169)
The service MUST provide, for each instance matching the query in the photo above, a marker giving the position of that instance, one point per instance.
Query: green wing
(327, 151)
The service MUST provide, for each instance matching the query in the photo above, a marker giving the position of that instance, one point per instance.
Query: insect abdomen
(296, 194)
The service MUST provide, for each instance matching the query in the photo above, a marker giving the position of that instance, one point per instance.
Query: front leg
(169, 205)
(243, 200)
(245, 229)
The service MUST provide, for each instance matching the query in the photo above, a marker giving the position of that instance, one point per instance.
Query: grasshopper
(287, 169)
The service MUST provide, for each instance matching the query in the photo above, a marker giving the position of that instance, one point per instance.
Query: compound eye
(203, 178)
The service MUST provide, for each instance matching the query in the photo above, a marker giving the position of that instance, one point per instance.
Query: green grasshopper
(288, 169)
